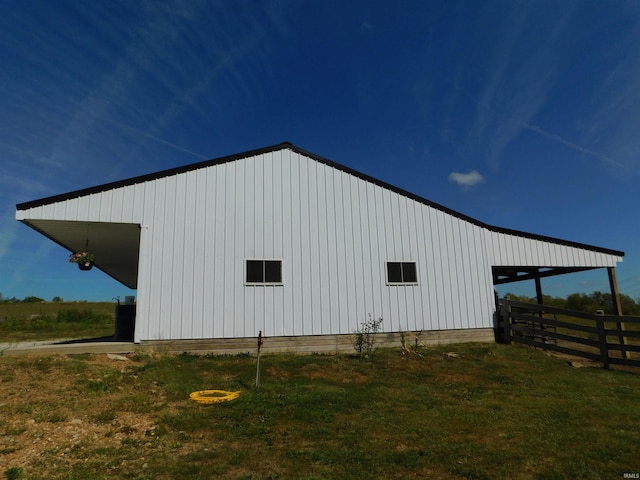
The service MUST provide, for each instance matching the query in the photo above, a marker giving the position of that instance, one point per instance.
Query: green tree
(583, 302)
(32, 300)
(580, 302)
(629, 306)
(520, 298)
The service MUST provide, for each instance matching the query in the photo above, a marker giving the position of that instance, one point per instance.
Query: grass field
(20, 322)
(465, 411)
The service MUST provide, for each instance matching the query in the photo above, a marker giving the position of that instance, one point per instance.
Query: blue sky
(522, 114)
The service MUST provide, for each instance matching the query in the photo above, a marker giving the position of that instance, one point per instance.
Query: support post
(602, 340)
(617, 308)
(615, 295)
(506, 320)
(539, 296)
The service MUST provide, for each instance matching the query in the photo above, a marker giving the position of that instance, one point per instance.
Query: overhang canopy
(502, 275)
(115, 245)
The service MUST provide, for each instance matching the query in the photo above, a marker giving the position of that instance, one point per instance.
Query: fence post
(617, 309)
(506, 320)
(602, 339)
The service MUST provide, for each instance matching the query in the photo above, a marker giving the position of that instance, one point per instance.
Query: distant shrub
(33, 300)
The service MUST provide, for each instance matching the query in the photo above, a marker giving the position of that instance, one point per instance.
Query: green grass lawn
(488, 412)
(20, 322)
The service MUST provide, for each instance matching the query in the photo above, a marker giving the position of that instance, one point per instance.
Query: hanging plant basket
(83, 259)
(85, 265)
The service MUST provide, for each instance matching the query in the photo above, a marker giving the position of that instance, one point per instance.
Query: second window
(264, 271)
(402, 272)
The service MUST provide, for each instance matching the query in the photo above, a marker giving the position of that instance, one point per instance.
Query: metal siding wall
(464, 278)
(313, 251)
(446, 262)
(351, 313)
(327, 251)
(278, 225)
(376, 262)
(513, 250)
(144, 291)
(305, 276)
(176, 255)
(428, 273)
(163, 257)
(392, 236)
(339, 268)
(205, 291)
(159, 299)
(253, 222)
(295, 267)
(333, 231)
(264, 314)
(457, 279)
(237, 247)
(402, 294)
(357, 252)
(419, 245)
(441, 268)
(285, 323)
(217, 264)
(482, 277)
(129, 205)
(196, 298)
(331, 265)
(116, 206)
(192, 255)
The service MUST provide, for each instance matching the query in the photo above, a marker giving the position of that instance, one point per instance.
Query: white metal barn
(283, 241)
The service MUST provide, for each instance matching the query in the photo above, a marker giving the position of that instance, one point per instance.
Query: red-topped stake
(260, 342)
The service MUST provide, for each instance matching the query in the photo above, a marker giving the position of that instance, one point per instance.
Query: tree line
(585, 302)
(29, 299)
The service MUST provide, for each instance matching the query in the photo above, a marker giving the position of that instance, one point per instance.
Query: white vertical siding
(514, 250)
(334, 233)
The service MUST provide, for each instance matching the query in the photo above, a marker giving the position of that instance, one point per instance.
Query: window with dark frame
(264, 271)
(402, 272)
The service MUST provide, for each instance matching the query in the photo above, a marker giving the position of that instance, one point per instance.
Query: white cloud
(466, 180)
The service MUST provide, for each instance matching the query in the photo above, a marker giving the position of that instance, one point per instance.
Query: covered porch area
(503, 275)
(115, 249)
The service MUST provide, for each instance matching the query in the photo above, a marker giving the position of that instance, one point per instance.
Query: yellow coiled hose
(213, 396)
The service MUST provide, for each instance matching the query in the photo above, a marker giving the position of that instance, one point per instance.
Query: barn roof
(286, 145)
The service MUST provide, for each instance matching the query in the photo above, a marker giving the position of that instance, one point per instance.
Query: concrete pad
(70, 348)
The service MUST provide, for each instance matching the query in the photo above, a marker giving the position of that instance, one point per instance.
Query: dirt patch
(34, 423)
(26, 440)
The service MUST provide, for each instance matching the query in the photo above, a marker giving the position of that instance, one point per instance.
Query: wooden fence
(607, 339)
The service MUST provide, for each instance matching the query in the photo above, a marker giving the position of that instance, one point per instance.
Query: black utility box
(125, 322)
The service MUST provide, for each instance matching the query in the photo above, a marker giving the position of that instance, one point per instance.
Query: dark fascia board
(148, 177)
(325, 161)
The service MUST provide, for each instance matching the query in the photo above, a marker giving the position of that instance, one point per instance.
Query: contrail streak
(572, 145)
(169, 144)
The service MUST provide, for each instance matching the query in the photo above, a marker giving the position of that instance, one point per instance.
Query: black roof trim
(149, 177)
(290, 146)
